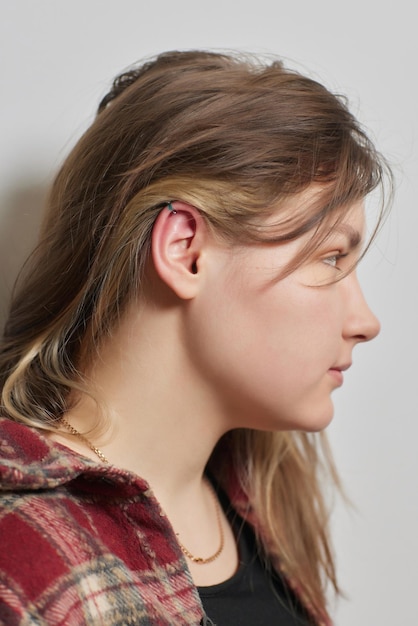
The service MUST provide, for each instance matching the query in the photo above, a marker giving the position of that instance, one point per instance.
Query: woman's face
(274, 350)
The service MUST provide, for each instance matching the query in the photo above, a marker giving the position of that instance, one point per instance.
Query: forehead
(310, 215)
(340, 232)
(348, 222)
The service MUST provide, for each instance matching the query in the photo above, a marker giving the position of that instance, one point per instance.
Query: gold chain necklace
(84, 439)
(195, 559)
(199, 559)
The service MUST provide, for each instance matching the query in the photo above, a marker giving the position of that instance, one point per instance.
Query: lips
(337, 372)
(342, 368)
(337, 375)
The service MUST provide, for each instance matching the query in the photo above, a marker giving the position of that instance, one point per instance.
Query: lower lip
(337, 375)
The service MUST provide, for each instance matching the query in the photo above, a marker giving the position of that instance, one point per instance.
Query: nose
(361, 324)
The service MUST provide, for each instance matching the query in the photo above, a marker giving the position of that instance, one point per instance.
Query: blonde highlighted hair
(235, 137)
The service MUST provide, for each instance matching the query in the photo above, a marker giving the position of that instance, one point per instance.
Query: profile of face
(274, 349)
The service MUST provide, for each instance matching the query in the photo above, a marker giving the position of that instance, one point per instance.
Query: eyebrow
(354, 236)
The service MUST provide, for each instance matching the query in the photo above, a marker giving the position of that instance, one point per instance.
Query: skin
(283, 343)
(218, 343)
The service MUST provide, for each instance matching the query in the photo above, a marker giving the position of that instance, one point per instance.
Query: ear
(177, 241)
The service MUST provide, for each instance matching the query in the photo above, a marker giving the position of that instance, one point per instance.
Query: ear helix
(174, 212)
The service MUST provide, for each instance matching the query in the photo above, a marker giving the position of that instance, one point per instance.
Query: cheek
(289, 324)
(262, 344)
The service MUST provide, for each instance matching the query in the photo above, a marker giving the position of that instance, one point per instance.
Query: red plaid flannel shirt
(84, 543)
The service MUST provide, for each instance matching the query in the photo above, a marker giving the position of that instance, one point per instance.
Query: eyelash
(332, 260)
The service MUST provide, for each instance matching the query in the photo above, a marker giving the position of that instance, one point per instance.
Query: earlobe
(177, 238)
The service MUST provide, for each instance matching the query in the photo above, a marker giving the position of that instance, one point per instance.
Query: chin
(308, 425)
(320, 423)
(314, 421)
(311, 417)
(316, 428)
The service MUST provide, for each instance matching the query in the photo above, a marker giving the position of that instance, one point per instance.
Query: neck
(163, 422)
(163, 426)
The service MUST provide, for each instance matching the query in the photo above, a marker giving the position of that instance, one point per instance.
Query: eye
(333, 259)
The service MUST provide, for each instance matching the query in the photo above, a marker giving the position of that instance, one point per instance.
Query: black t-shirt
(254, 596)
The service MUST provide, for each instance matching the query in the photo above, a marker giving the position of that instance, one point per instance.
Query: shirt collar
(30, 461)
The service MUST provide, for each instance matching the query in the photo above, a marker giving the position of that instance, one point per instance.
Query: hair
(235, 137)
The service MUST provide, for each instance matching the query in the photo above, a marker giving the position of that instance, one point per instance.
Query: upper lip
(341, 368)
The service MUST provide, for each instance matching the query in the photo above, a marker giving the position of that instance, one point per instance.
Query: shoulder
(82, 543)
(29, 461)
(65, 561)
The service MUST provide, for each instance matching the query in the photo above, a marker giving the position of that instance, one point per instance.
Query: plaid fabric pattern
(83, 543)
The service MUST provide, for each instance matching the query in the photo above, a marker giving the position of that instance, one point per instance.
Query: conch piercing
(171, 208)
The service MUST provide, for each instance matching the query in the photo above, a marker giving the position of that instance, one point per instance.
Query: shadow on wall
(20, 215)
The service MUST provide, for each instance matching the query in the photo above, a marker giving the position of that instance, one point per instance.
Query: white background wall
(57, 59)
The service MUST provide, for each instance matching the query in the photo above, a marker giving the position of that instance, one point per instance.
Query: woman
(174, 343)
